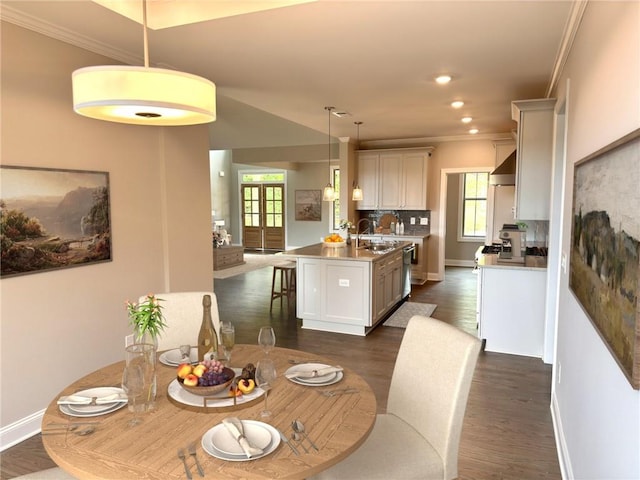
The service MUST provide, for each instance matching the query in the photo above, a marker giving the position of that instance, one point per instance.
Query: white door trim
(442, 211)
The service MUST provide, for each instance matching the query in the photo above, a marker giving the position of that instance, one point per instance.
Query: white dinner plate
(209, 447)
(322, 381)
(255, 432)
(222, 399)
(173, 358)
(90, 410)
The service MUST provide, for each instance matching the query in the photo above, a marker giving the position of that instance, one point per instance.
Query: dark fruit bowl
(213, 389)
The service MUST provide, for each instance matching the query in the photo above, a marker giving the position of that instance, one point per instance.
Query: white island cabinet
(346, 290)
(511, 309)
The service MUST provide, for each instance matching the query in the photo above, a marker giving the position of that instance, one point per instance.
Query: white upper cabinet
(390, 189)
(368, 179)
(534, 158)
(393, 179)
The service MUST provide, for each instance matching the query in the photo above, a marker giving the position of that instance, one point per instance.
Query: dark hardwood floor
(507, 432)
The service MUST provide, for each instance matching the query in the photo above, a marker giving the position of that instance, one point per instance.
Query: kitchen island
(419, 262)
(347, 289)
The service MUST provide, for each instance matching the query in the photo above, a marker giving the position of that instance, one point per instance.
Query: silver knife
(284, 438)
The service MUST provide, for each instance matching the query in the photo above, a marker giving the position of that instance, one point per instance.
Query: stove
(494, 248)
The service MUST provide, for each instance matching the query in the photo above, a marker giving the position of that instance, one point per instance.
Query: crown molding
(568, 36)
(420, 141)
(30, 22)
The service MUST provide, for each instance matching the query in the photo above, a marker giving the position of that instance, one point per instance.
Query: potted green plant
(147, 319)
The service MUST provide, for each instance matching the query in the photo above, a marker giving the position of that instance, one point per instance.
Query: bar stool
(287, 283)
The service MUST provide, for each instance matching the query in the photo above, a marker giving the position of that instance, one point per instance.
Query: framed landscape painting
(309, 205)
(605, 248)
(52, 219)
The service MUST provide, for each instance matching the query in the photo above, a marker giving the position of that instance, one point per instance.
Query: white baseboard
(561, 446)
(21, 430)
(451, 262)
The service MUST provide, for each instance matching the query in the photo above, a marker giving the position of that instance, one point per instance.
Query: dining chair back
(419, 435)
(183, 315)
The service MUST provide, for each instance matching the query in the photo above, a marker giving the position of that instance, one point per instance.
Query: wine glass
(133, 386)
(267, 339)
(227, 339)
(265, 376)
(185, 353)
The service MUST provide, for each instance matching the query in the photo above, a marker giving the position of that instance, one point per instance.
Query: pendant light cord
(144, 30)
(329, 157)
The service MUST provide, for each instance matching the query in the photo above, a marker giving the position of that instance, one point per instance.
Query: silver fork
(341, 391)
(183, 457)
(193, 453)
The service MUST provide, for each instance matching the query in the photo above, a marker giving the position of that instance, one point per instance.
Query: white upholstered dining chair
(418, 437)
(183, 315)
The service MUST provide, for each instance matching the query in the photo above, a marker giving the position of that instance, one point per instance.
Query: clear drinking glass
(133, 386)
(185, 353)
(227, 340)
(267, 339)
(265, 376)
(139, 379)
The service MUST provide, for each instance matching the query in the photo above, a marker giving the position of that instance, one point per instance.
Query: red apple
(191, 380)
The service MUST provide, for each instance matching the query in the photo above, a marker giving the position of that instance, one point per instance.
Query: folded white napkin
(321, 372)
(234, 425)
(82, 400)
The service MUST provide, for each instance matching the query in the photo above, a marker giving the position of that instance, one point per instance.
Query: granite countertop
(398, 236)
(348, 252)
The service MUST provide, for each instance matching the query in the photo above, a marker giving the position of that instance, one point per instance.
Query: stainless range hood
(505, 173)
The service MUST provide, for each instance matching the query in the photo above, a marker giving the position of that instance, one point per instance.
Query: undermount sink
(377, 247)
(380, 246)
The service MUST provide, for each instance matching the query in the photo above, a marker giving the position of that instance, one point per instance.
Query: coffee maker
(513, 243)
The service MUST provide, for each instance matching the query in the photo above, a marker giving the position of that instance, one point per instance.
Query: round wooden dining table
(337, 425)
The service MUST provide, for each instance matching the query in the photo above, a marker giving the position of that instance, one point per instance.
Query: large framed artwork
(309, 205)
(605, 248)
(52, 219)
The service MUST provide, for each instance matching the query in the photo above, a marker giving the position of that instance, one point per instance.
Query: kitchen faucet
(358, 230)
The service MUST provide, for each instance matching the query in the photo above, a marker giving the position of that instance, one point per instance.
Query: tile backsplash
(420, 217)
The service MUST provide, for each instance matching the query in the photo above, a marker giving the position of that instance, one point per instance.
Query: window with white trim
(474, 189)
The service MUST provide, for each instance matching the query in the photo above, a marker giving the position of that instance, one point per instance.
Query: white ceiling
(276, 70)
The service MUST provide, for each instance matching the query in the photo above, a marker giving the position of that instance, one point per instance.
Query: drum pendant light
(357, 191)
(143, 95)
(329, 194)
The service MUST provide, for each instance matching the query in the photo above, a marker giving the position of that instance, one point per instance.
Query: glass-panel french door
(263, 219)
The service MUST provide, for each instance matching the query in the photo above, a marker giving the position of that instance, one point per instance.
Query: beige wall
(596, 411)
(57, 326)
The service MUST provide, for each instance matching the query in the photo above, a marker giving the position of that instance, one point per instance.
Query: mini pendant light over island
(357, 191)
(329, 194)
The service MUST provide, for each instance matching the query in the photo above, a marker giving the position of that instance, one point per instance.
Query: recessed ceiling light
(473, 131)
(443, 79)
(466, 119)
(457, 104)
